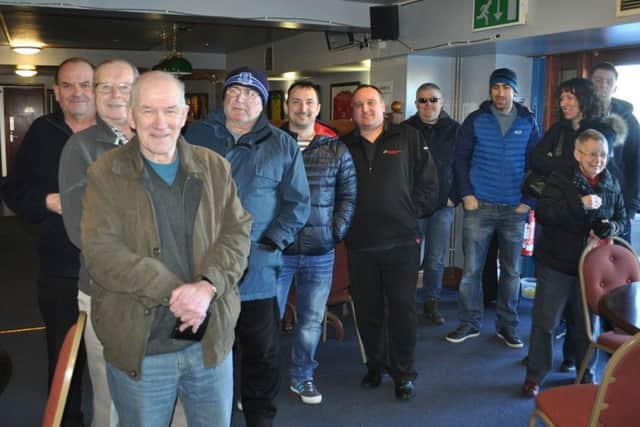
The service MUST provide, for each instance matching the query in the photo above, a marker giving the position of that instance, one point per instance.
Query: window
(629, 86)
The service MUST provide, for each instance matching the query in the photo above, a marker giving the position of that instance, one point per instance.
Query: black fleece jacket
(399, 186)
(34, 174)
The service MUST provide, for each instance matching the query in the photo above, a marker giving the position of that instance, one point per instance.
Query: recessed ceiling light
(26, 50)
(26, 70)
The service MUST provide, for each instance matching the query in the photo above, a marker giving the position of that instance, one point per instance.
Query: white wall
(394, 71)
(434, 69)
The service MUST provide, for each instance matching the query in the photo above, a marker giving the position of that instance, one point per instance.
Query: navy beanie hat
(506, 76)
(249, 77)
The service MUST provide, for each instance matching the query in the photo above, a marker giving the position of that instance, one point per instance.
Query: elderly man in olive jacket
(165, 240)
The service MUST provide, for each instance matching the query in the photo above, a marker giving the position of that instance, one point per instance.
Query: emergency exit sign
(490, 14)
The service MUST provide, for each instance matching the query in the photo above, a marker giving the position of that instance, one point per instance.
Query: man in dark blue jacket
(438, 132)
(267, 166)
(491, 160)
(31, 190)
(332, 183)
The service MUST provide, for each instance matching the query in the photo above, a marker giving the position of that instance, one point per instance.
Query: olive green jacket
(121, 245)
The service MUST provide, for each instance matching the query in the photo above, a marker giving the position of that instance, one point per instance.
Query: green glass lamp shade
(175, 64)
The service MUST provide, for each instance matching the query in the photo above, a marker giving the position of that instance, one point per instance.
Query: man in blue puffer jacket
(491, 158)
(332, 182)
(267, 166)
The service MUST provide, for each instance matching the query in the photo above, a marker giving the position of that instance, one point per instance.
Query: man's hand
(53, 203)
(190, 301)
(470, 203)
(522, 208)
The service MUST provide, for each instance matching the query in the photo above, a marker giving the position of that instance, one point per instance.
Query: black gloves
(603, 228)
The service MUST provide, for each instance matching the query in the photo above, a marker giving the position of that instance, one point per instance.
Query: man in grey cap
(491, 159)
(267, 167)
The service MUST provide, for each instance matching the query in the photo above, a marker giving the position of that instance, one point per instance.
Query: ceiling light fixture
(26, 49)
(26, 70)
(174, 63)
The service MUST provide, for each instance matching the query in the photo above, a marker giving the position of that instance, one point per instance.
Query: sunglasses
(432, 100)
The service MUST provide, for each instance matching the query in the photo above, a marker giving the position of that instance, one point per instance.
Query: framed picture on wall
(341, 94)
(275, 107)
(198, 106)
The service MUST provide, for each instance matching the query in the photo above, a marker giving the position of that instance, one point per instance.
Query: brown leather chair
(340, 295)
(612, 404)
(63, 373)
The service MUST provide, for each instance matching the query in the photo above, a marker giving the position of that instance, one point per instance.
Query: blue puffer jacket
(267, 167)
(332, 183)
(489, 165)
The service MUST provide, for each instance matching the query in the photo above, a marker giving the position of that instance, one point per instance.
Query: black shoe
(568, 366)
(432, 313)
(464, 332)
(372, 379)
(405, 390)
(510, 338)
(588, 378)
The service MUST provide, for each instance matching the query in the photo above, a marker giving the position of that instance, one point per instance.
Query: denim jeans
(479, 226)
(314, 274)
(436, 230)
(206, 393)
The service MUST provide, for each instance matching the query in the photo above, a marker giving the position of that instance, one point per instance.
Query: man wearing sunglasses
(491, 158)
(438, 132)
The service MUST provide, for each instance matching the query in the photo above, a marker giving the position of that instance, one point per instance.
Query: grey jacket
(80, 151)
(121, 246)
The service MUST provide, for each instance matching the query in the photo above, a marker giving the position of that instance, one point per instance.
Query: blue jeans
(314, 274)
(554, 291)
(436, 230)
(479, 226)
(206, 393)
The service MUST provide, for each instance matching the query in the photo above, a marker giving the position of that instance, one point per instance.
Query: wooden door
(22, 105)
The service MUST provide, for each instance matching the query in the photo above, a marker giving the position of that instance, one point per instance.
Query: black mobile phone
(188, 333)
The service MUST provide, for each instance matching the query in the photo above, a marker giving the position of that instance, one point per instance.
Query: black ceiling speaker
(384, 22)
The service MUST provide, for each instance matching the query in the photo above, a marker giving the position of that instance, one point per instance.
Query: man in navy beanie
(267, 167)
(491, 158)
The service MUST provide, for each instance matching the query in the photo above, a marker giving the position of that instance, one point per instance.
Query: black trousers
(58, 304)
(379, 276)
(258, 339)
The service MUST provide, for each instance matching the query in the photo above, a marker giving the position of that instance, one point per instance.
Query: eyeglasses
(593, 155)
(235, 92)
(433, 100)
(108, 87)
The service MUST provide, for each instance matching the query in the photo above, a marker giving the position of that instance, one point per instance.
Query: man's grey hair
(134, 69)
(590, 134)
(156, 74)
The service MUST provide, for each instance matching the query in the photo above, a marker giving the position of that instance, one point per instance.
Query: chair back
(604, 266)
(340, 284)
(63, 373)
(619, 391)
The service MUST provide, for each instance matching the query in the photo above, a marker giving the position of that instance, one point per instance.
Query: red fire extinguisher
(529, 234)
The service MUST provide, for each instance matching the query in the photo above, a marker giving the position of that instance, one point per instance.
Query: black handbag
(534, 182)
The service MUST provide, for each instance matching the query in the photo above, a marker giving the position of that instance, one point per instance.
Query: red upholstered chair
(612, 404)
(64, 371)
(604, 266)
(340, 294)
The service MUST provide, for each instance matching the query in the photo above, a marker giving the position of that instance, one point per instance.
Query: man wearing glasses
(31, 191)
(492, 149)
(267, 167)
(438, 132)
